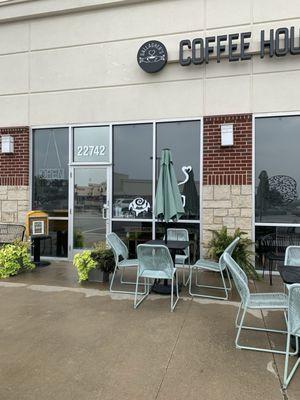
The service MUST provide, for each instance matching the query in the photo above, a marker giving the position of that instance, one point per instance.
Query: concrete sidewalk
(62, 340)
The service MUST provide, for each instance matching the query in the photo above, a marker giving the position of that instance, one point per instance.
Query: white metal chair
(155, 262)
(121, 261)
(180, 259)
(258, 301)
(207, 265)
(293, 325)
(292, 256)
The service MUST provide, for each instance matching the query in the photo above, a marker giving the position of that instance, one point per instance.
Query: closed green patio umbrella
(168, 203)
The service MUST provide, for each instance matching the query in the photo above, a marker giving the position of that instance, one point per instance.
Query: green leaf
(242, 253)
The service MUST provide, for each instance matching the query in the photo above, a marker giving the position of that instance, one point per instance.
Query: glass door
(89, 208)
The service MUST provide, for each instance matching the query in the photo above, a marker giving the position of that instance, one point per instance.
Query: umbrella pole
(166, 232)
(166, 240)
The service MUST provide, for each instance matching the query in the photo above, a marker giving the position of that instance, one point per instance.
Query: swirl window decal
(139, 205)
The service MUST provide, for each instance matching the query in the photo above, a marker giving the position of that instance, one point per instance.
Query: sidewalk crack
(173, 351)
(275, 366)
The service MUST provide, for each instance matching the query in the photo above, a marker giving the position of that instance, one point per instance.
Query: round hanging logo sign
(152, 56)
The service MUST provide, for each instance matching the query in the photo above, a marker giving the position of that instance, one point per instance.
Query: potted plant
(95, 265)
(242, 254)
(104, 258)
(15, 258)
(84, 264)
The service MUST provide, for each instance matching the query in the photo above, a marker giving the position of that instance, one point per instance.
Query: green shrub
(103, 257)
(84, 263)
(241, 254)
(14, 258)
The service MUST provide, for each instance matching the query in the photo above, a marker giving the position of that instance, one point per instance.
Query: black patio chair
(273, 249)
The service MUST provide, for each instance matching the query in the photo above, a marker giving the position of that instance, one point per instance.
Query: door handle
(104, 211)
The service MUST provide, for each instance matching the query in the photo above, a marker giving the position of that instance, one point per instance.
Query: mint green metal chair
(293, 325)
(292, 256)
(254, 301)
(122, 262)
(181, 259)
(155, 262)
(207, 265)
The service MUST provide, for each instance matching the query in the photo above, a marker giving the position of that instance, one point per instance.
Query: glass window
(132, 171)
(183, 139)
(133, 234)
(91, 144)
(50, 171)
(277, 169)
(271, 240)
(90, 197)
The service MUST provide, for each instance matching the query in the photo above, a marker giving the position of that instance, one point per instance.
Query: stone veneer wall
(14, 177)
(226, 205)
(14, 203)
(227, 176)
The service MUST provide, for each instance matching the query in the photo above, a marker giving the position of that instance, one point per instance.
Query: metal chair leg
(137, 302)
(120, 291)
(224, 287)
(173, 305)
(288, 376)
(125, 282)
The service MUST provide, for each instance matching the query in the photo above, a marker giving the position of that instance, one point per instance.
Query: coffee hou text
(235, 47)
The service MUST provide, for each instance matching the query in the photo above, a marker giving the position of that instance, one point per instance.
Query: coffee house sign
(152, 56)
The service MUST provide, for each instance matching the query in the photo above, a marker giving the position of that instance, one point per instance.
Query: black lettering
(220, 47)
(184, 61)
(281, 51)
(232, 47)
(293, 49)
(264, 44)
(245, 46)
(198, 42)
(208, 48)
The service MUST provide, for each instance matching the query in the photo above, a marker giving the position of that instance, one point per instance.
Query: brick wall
(14, 177)
(227, 165)
(15, 167)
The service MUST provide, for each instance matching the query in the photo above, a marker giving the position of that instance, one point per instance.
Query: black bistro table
(36, 244)
(290, 274)
(174, 246)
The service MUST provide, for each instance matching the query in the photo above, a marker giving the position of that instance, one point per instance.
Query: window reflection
(50, 186)
(91, 144)
(183, 139)
(90, 193)
(50, 171)
(272, 240)
(277, 177)
(132, 171)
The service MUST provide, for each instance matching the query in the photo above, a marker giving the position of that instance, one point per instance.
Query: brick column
(14, 177)
(227, 176)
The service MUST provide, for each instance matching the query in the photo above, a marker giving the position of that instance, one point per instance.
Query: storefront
(96, 179)
(91, 92)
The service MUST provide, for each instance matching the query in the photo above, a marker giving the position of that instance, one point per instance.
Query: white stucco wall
(61, 67)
